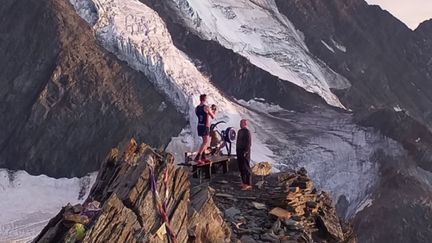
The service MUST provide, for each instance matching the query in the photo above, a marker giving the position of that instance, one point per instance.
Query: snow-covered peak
(256, 30)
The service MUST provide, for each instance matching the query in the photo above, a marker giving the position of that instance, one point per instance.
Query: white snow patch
(259, 104)
(327, 46)
(365, 204)
(85, 10)
(397, 109)
(340, 47)
(29, 202)
(256, 30)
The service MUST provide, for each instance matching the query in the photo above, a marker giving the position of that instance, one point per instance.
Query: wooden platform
(215, 164)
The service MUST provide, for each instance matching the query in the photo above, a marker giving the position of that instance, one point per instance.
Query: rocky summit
(141, 196)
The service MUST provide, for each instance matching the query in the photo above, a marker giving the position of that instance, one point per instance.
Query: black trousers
(243, 160)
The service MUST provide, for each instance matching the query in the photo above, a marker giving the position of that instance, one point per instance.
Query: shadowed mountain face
(387, 64)
(64, 100)
(423, 39)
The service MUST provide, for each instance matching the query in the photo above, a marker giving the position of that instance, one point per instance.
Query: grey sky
(411, 12)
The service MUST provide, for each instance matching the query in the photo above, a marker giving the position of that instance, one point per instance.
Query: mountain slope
(378, 55)
(61, 93)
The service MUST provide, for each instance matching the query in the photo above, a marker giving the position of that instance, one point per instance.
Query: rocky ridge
(140, 196)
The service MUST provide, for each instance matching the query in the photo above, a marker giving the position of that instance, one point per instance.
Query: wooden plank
(212, 159)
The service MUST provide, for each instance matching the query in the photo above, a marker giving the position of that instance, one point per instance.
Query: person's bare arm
(209, 112)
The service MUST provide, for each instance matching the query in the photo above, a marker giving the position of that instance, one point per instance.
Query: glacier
(256, 30)
(29, 202)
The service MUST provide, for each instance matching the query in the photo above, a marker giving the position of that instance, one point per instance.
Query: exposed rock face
(415, 137)
(404, 185)
(410, 197)
(64, 100)
(131, 207)
(383, 59)
(206, 223)
(423, 39)
(131, 210)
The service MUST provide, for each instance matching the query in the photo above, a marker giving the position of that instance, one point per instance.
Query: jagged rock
(75, 218)
(205, 221)
(328, 221)
(131, 209)
(117, 223)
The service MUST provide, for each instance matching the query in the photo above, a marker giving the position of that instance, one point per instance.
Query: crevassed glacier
(256, 30)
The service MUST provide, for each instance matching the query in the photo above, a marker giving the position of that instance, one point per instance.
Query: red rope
(162, 206)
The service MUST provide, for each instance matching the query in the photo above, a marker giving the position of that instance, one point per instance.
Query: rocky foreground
(141, 196)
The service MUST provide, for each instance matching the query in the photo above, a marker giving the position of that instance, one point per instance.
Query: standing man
(204, 114)
(243, 150)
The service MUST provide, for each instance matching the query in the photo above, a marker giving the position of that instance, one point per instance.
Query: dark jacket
(244, 140)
